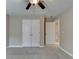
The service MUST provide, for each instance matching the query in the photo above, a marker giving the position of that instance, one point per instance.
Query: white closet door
(35, 33)
(26, 30)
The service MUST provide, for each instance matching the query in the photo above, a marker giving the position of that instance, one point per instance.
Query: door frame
(45, 21)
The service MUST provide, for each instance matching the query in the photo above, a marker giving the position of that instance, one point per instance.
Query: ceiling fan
(35, 2)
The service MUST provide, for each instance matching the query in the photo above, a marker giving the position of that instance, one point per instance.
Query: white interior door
(50, 33)
(35, 33)
(26, 30)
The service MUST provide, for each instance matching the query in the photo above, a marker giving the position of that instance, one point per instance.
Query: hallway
(36, 53)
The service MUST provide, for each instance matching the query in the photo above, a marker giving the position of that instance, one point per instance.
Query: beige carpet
(51, 52)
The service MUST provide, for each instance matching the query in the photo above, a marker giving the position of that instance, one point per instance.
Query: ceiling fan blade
(41, 5)
(28, 6)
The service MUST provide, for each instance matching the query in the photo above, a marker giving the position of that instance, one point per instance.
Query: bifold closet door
(26, 30)
(36, 33)
(31, 33)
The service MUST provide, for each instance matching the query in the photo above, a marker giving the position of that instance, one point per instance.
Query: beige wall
(7, 30)
(66, 31)
(15, 31)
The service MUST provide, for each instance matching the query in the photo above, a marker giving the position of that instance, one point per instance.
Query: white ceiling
(53, 7)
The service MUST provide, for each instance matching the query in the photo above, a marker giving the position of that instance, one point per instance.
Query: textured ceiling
(53, 7)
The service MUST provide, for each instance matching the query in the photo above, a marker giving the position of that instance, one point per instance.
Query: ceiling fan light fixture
(34, 1)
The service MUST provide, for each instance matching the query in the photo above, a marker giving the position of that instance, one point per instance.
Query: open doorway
(52, 32)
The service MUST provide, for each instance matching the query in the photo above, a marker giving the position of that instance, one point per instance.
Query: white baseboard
(19, 46)
(65, 51)
(12, 46)
(42, 46)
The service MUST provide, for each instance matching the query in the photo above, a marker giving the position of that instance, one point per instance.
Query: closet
(25, 32)
(31, 33)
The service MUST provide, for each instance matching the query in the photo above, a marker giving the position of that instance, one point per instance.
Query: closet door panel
(35, 33)
(26, 30)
